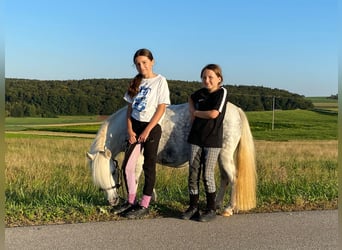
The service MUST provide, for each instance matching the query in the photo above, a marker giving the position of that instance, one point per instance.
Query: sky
(290, 44)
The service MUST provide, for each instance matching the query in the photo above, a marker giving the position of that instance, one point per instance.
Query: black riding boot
(210, 213)
(192, 210)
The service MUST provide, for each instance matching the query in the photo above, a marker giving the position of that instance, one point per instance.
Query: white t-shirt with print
(152, 92)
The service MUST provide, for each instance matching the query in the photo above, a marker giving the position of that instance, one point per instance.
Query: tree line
(51, 98)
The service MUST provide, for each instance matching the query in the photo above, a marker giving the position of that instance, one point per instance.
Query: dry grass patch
(276, 160)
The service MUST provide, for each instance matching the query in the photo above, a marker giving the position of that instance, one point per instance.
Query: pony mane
(101, 139)
(99, 142)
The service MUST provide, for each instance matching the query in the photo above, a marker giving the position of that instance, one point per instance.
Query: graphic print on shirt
(140, 101)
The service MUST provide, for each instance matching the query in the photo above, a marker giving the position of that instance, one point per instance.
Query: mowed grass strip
(28, 123)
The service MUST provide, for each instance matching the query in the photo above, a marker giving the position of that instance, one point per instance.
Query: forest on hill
(51, 98)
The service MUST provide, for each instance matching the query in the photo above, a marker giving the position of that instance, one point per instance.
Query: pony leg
(228, 176)
(231, 208)
(223, 186)
(154, 195)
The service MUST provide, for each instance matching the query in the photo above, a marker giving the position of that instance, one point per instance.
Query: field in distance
(324, 103)
(280, 125)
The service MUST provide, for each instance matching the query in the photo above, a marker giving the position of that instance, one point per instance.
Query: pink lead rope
(130, 171)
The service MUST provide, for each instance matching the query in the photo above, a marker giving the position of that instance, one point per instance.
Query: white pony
(236, 160)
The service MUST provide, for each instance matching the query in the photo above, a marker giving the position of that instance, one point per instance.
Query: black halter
(118, 185)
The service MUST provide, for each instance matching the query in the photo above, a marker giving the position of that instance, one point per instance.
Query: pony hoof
(114, 202)
(227, 212)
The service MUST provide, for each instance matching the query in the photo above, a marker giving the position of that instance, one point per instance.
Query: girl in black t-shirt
(207, 108)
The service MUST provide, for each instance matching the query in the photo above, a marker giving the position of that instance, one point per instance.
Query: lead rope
(119, 185)
(123, 192)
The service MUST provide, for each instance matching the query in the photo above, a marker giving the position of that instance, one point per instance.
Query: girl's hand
(143, 136)
(132, 138)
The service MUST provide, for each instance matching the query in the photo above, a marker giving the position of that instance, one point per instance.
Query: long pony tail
(246, 168)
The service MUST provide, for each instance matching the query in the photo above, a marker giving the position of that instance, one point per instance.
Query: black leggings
(150, 153)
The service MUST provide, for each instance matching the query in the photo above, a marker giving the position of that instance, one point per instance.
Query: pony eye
(107, 153)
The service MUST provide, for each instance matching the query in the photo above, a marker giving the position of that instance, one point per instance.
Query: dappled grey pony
(236, 160)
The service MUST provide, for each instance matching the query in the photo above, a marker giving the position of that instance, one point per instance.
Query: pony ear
(90, 156)
(108, 154)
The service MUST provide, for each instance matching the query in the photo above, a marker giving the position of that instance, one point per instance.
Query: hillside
(51, 98)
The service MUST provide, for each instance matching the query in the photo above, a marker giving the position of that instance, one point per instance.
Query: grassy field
(48, 179)
(287, 124)
(28, 123)
(293, 125)
(323, 103)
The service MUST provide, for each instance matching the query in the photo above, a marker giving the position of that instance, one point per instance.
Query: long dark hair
(133, 87)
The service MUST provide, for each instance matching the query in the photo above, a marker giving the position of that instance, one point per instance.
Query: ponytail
(133, 87)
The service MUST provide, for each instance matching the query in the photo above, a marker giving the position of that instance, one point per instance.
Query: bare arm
(191, 109)
(130, 132)
(209, 114)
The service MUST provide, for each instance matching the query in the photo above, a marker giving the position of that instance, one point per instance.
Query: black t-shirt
(208, 132)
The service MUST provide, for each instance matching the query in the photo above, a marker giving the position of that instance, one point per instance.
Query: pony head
(105, 174)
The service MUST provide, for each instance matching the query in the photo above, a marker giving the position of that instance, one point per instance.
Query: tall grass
(46, 178)
(302, 174)
(48, 181)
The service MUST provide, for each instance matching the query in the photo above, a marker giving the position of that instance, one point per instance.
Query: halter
(115, 163)
(117, 186)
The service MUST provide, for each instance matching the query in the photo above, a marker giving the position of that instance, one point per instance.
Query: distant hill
(50, 98)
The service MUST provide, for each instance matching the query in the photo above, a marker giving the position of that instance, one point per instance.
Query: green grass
(24, 123)
(44, 121)
(48, 180)
(288, 125)
(325, 104)
(293, 125)
(321, 99)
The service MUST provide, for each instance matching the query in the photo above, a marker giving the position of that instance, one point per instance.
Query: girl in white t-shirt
(147, 97)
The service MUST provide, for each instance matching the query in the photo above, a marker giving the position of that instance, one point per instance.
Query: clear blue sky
(290, 44)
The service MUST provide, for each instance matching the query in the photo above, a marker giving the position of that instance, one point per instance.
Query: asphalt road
(295, 230)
